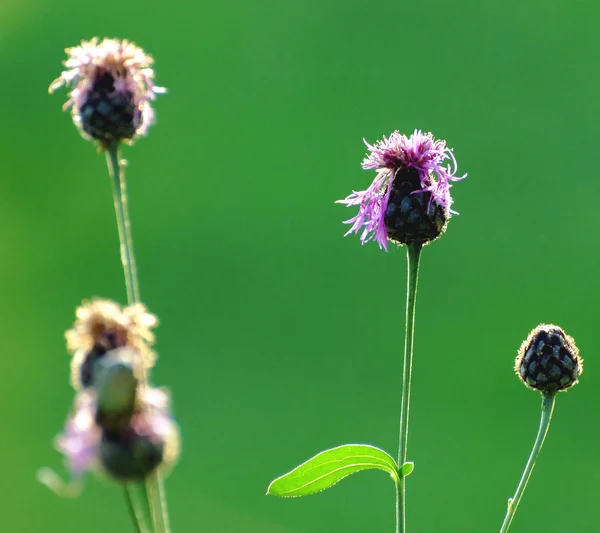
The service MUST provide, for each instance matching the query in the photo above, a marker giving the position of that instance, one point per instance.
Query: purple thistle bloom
(391, 157)
(113, 85)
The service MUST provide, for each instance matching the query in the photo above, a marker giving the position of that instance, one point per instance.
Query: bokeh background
(278, 336)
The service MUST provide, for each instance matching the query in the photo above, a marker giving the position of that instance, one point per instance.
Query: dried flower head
(113, 84)
(548, 360)
(103, 325)
(409, 200)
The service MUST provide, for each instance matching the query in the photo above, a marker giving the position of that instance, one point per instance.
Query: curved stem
(153, 493)
(547, 409)
(413, 252)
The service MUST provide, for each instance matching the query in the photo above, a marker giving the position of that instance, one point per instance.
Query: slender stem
(156, 488)
(413, 252)
(400, 505)
(134, 510)
(547, 409)
(153, 493)
(123, 223)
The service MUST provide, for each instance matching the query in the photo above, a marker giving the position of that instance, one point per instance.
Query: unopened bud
(548, 360)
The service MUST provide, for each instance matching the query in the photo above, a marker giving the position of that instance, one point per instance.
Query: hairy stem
(413, 252)
(153, 493)
(547, 409)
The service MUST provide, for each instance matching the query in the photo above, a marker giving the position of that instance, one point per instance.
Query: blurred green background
(278, 336)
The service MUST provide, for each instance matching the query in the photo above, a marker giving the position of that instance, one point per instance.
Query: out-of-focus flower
(150, 440)
(113, 85)
(409, 200)
(102, 325)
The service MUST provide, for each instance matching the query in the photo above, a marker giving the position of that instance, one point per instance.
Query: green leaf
(327, 468)
(407, 469)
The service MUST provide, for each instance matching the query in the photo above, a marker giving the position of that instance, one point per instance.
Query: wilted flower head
(409, 200)
(548, 360)
(113, 84)
(103, 325)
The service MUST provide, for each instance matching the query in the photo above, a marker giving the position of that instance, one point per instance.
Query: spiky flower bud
(548, 360)
(102, 326)
(409, 200)
(113, 85)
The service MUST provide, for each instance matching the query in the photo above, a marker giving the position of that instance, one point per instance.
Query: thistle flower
(113, 85)
(409, 200)
(548, 360)
(149, 441)
(102, 325)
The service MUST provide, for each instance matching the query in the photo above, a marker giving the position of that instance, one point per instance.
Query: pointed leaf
(330, 466)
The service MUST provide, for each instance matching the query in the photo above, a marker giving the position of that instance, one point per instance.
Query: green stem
(547, 409)
(413, 252)
(400, 505)
(134, 510)
(153, 493)
(119, 188)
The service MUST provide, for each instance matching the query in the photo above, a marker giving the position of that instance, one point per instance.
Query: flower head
(548, 360)
(149, 441)
(409, 200)
(103, 325)
(113, 84)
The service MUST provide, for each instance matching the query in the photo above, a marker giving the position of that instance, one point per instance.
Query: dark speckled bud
(413, 217)
(107, 114)
(548, 360)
